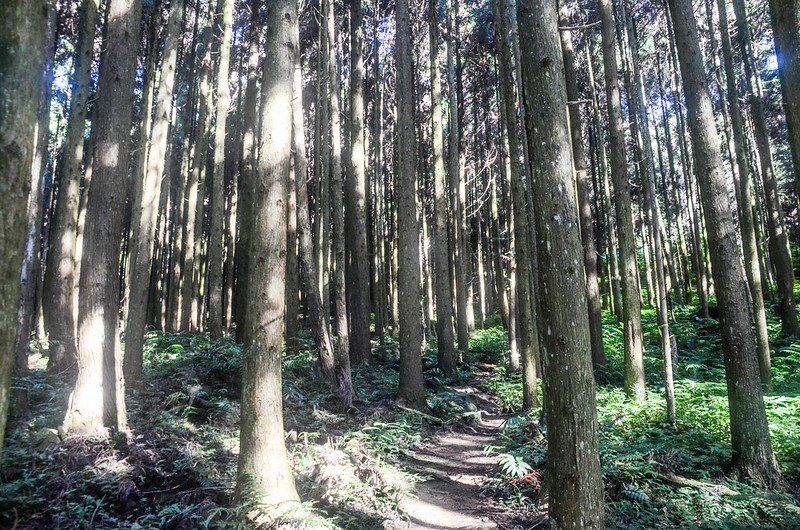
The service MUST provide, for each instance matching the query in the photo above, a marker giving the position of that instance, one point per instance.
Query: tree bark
(778, 236)
(248, 166)
(444, 296)
(525, 317)
(631, 306)
(342, 344)
(31, 274)
(752, 450)
(454, 179)
(308, 263)
(584, 199)
(59, 279)
(744, 195)
(785, 17)
(23, 25)
(263, 462)
(573, 463)
(97, 401)
(356, 191)
(217, 218)
(145, 213)
(412, 389)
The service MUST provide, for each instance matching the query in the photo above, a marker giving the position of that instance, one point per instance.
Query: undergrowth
(639, 451)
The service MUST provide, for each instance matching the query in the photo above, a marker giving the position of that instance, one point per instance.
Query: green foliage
(507, 389)
(489, 345)
(638, 448)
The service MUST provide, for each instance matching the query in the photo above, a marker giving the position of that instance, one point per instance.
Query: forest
(399, 264)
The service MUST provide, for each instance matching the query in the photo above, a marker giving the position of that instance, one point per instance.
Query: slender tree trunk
(381, 313)
(342, 345)
(215, 238)
(263, 462)
(785, 17)
(616, 291)
(308, 263)
(145, 213)
(99, 354)
(744, 195)
(752, 450)
(22, 35)
(356, 192)
(454, 179)
(573, 463)
(631, 308)
(444, 296)
(59, 280)
(248, 168)
(527, 336)
(195, 193)
(412, 389)
(778, 236)
(638, 103)
(584, 200)
(30, 275)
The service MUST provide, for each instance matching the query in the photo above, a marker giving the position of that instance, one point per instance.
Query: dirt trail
(457, 466)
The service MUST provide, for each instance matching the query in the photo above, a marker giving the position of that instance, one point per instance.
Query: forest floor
(472, 460)
(456, 465)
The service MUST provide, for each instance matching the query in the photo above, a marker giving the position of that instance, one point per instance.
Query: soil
(457, 468)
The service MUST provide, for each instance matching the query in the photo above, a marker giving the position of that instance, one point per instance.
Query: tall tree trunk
(752, 450)
(356, 191)
(381, 313)
(308, 263)
(263, 462)
(23, 24)
(525, 317)
(248, 166)
(573, 463)
(454, 179)
(145, 213)
(584, 199)
(638, 104)
(785, 16)
(58, 292)
(778, 236)
(631, 307)
(30, 276)
(217, 218)
(342, 344)
(412, 389)
(744, 196)
(613, 247)
(195, 193)
(98, 399)
(444, 296)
